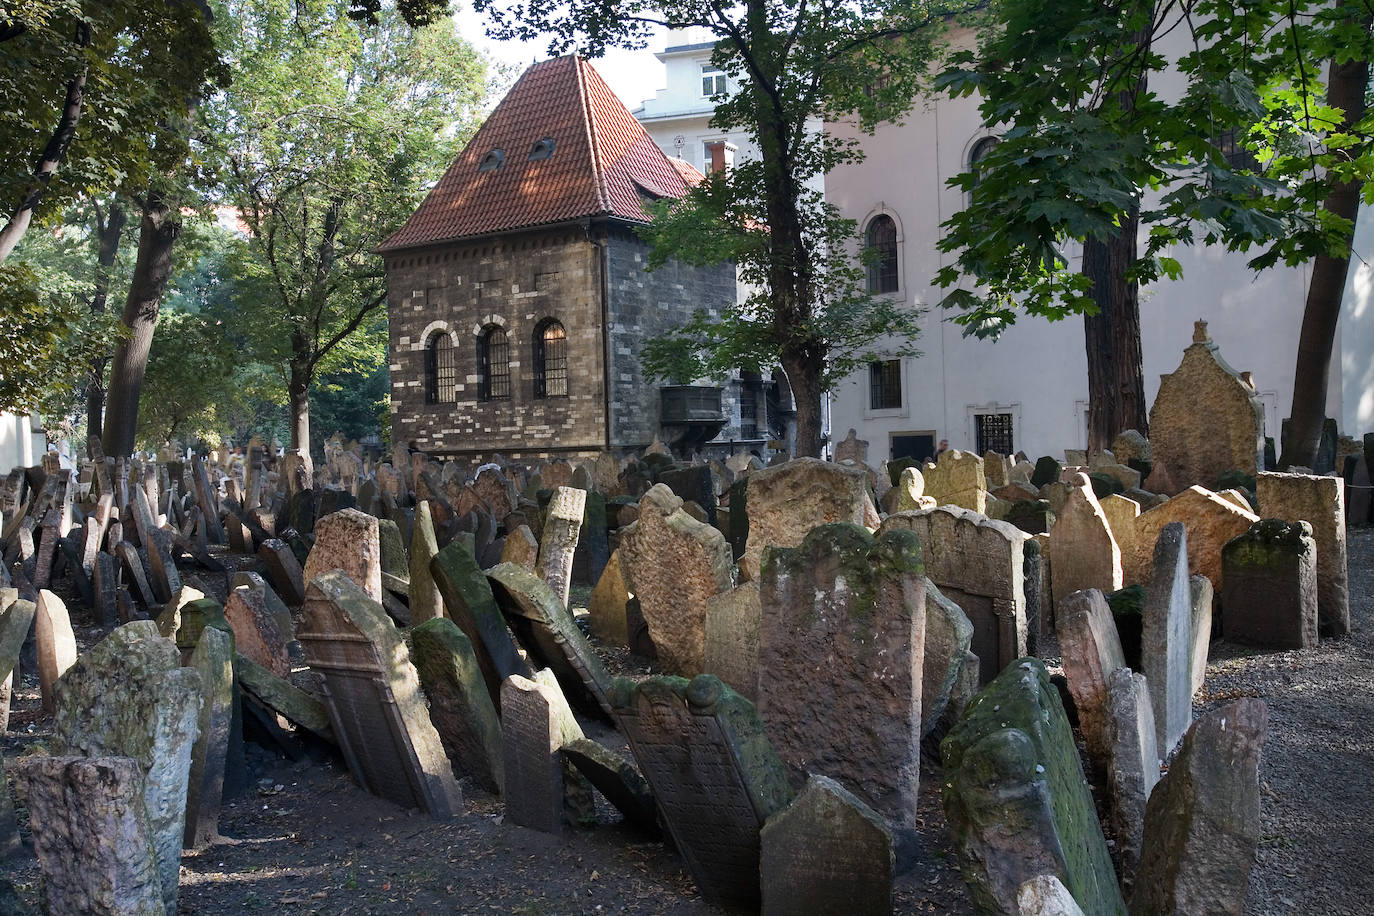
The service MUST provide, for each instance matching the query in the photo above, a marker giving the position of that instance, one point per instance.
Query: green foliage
(1080, 141)
(188, 381)
(352, 402)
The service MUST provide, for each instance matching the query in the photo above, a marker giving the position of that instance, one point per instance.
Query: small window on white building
(993, 433)
(885, 384)
(713, 81)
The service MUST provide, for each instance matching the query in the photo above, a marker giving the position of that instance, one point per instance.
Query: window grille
(550, 361)
(885, 384)
(493, 365)
(993, 433)
(441, 370)
(882, 270)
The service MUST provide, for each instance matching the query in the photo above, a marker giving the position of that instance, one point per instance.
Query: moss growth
(1128, 605)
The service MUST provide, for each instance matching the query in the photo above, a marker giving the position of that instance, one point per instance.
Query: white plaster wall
(1356, 354)
(20, 444)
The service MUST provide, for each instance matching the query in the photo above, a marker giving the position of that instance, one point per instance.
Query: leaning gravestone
(1202, 822)
(1210, 520)
(1086, 554)
(957, 479)
(55, 641)
(1016, 800)
(374, 698)
(284, 570)
(257, 632)
(1134, 760)
(733, 619)
(618, 780)
(459, 706)
(717, 780)
(128, 696)
(1166, 642)
(786, 501)
(213, 658)
(535, 723)
(826, 853)
(558, 545)
(1091, 651)
(1319, 501)
(607, 605)
(859, 603)
(425, 601)
(348, 540)
(948, 637)
(470, 603)
(1269, 586)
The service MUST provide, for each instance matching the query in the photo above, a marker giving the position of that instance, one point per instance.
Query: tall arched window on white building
(881, 236)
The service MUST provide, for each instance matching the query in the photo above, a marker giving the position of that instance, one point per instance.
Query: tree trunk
(107, 235)
(1345, 90)
(1116, 374)
(298, 392)
(47, 164)
(804, 378)
(157, 232)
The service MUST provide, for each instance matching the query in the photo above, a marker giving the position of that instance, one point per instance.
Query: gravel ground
(304, 839)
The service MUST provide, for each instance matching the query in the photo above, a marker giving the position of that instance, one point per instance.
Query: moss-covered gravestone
(459, 706)
(717, 780)
(1269, 586)
(469, 602)
(1016, 800)
(213, 658)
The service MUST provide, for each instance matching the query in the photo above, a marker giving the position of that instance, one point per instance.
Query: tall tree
(797, 66)
(320, 178)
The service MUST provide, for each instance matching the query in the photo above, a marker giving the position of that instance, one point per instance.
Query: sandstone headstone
(860, 604)
(1269, 586)
(284, 570)
(275, 606)
(1210, 520)
(1045, 895)
(1166, 644)
(1320, 501)
(535, 723)
(213, 658)
(1091, 651)
(56, 644)
(558, 544)
(910, 492)
(672, 564)
(348, 540)
(826, 853)
(470, 604)
(1133, 769)
(1010, 761)
(733, 619)
(948, 637)
(716, 778)
(786, 501)
(257, 633)
(425, 600)
(521, 548)
(851, 447)
(957, 479)
(374, 698)
(1121, 513)
(284, 699)
(459, 706)
(1201, 588)
(1085, 553)
(618, 780)
(607, 604)
(1202, 822)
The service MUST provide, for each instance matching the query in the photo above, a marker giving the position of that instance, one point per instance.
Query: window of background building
(993, 433)
(885, 384)
(441, 370)
(713, 81)
(881, 236)
(750, 385)
(550, 360)
(493, 365)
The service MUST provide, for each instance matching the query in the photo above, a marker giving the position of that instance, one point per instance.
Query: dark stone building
(519, 299)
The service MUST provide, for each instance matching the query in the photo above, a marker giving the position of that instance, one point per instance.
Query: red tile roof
(603, 163)
(688, 172)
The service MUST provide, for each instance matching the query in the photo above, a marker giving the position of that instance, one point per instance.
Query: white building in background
(21, 444)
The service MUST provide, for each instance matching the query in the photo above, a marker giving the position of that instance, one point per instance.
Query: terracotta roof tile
(688, 172)
(603, 162)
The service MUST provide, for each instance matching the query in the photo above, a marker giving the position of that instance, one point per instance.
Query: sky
(633, 75)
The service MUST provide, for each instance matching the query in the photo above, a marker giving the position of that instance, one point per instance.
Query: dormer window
(542, 150)
(492, 160)
(713, 81)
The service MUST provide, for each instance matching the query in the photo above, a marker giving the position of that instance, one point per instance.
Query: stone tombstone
(1121, 513)
(1091, 651)
(1166, 642)
(376, 706)
(284, 699)
(910, 490)
(275, 606)
(852, 448)
(593, 542)
(733, 619)
(1201, 588)
(15, 622)
(1133, 755)
(103, 584)
(1269, 586)
(957, 479)
(860, 604)
(460, 708)
(496, 491)
(470, 604)
(1206, 419)
(826, 853)
(1210, 521)
(285, 571)
(788, 500)
(394, 560)
(521, 547)
(996, 470)
(1085, 553)
(1320, 501)
(348, 540)
(535, 723)
(543, 625)
(616, 779)
(717, 780)
(165, 579)
(10, 841)
(56, 644)
(92, 834)
(672, 563)
(128, 696)
(558, 545)
(693, 483)
(1359, 494)
(1046, 895)
(1012, 761)
(979, 564)
(607, 604)
(257, 631)
(1202, 822)
(948, 637)
(213, 658)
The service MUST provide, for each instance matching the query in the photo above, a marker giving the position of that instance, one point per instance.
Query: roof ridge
(593, 139)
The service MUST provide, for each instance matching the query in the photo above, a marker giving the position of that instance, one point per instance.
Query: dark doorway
(920, 446)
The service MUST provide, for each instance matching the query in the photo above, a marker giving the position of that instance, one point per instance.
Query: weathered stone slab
(672, 563)
(284, 570)
(213, 658)
(607, 604)
(860, 604)
(1202, 822)
(733, 619)
(1091, 651)
(460, 707)
(1045, 895)
(425, 601)
(1210, 520)
(703, 750)
(786, 501)
(470, 603)
(1166, 643)
(535, 723)
(284, 698)
(91, 834)
(1012, 761)
(275, 606)
(374, 698)
(1133, 769)
(348, 540)
(1085, 553)
(15, 622)
(910, 492)
(979, 564)
(520, 547)
(558, 545)
(1201, 588)
(948, 637)
(826, 853)
(1320, 501)
(256, 631)
(56, 644)
(618, 780)
(1269, 586)
(957, 479)
(543, 625)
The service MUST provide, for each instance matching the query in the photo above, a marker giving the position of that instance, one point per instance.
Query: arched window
(441, 370)
(976, 156)
(493, 364)
(550, 360)
(882, 238)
